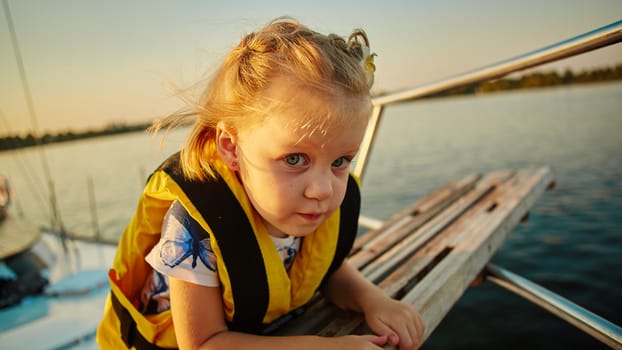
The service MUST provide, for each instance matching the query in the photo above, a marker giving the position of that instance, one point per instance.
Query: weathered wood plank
(477, 238)
(423, 209)
(408, 245)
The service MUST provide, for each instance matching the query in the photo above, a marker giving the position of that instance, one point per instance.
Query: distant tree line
(538, 80)
(527, 81)
(16, 141)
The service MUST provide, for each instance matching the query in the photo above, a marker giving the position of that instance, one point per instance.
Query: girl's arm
(401, 323)
(198, 316)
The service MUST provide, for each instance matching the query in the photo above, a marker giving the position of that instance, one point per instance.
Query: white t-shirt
(184, 252)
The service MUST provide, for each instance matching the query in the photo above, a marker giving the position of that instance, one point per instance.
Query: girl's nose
(319, 187)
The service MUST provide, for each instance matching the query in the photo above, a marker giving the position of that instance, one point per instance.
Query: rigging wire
(57, 223)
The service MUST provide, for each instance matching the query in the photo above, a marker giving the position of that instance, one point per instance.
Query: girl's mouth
(311, 216)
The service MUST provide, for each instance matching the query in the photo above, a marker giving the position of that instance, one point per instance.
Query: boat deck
(428, 254)
(66, 315)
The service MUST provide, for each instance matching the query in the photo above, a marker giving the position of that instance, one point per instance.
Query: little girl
(258, 211)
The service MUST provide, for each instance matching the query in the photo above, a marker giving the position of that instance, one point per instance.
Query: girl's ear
(226, 144)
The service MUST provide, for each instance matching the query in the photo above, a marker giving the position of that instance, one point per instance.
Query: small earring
(234, 164)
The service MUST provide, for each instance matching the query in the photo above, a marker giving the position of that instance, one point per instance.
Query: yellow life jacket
(258, 292)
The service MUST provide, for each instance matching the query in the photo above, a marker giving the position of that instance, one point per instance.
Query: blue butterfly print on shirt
(290, 252)
(187, 241)
(290, 256)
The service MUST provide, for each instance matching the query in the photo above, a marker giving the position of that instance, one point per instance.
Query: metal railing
(601, 329)
(590, 323)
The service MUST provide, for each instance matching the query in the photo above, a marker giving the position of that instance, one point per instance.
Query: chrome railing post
(368, 141)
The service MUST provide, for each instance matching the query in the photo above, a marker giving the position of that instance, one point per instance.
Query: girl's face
(295, 181)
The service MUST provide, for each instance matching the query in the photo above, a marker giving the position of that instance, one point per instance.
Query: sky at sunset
(90, 63)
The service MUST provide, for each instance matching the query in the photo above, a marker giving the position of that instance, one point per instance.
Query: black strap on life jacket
(237, 242)
(220, 208)
(348, 226)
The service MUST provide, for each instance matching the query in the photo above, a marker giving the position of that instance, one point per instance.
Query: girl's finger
(379, 340)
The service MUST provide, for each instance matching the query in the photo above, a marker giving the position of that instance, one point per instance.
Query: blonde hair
(326, 64)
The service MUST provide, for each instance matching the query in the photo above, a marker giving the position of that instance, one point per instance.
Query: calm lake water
(572, 243)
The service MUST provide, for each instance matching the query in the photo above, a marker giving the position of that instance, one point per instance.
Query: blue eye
(340, 162)
(295, 160)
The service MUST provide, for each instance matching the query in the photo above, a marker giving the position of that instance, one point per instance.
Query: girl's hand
(400, 322)
(356, 342)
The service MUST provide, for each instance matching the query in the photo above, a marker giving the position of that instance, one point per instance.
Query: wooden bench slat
(401, 225)
(407, 246)
(476, 239)
(428, 205)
